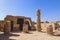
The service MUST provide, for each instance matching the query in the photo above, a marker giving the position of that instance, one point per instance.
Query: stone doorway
(20, 22)
(12, 25)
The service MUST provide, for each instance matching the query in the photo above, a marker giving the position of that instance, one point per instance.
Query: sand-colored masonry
(7, 27)
(38, 20)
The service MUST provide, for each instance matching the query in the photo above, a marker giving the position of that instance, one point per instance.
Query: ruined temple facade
(17, 23)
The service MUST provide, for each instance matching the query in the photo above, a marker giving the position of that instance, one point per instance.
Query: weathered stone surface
(38, 21)
(25, 28)
(56, 26)
(50, 29)
(15, 19)
(7, 27)
(1, 25)
(16, 27)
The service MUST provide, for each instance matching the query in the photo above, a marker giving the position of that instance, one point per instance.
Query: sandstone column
(38, 20)
(7, 27)
(25, 28)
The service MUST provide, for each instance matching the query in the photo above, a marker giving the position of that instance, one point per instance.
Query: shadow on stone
(57, 35)
(6, 36)
(30, 33)
(27, 32)
(16, 31)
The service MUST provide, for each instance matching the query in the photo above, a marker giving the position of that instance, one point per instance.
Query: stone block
(50, 29)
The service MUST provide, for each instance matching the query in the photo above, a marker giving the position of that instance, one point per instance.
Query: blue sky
(50, 9)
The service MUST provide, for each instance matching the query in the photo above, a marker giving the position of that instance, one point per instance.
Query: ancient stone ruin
(16, 23)
(25, 24)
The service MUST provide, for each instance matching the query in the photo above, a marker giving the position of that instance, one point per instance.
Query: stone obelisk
(38, 28)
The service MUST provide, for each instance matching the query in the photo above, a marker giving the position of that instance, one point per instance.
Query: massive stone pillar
(38, 20)
(7, 27)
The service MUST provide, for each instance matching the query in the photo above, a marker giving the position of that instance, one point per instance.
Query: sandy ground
(33, 35)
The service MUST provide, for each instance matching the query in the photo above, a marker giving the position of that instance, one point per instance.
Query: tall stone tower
(38, 28)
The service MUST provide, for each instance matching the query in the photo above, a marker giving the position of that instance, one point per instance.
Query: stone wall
(15, 18)
(7, 27)
(2, 26)
(45, 25)
(16, 27)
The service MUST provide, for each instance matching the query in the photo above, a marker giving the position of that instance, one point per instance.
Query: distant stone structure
(16, 23)
(38, 28)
